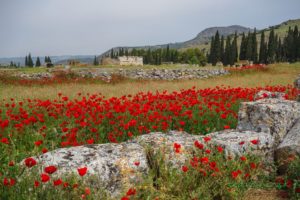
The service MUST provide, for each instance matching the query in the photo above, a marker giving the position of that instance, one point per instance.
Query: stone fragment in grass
(240, 143)
(273, 116)
(289, 147)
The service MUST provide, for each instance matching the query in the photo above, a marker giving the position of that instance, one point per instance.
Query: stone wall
(142, 74)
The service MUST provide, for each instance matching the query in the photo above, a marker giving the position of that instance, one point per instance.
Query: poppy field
(31, 127)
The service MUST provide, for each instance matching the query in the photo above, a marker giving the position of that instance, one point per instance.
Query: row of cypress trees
(29, 61)
(271, 49)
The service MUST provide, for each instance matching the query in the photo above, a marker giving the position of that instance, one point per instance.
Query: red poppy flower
(50, 169)
(82, 171)
(36, 184)
(243, 158)
(198, 144)
(252, 165)
(57, 182)
(45, 178)
(5, 141)
(131, 191)
(207, 139)
(30, 162)
(184, 168)
(220, 149)
(136, 163)
(254, 141)
(38, 143)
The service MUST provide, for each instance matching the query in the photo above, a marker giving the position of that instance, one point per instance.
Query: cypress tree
(95, 61)
(26, 61)
(254, 47)
(30, 62)
(211, 51)
(271, 47)
(234, 50)
(262, 49)
(243, 48)
(295, 44)
(38, 62)
(227, 53)
(222, 49)
(112, 53)
(249, 47)
(217, 48)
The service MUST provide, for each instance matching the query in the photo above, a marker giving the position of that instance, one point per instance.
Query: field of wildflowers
(34, 126)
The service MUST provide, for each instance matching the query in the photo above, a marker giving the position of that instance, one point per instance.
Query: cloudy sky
(90, 27)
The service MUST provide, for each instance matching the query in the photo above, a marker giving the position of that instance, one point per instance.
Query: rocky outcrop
(266, 127)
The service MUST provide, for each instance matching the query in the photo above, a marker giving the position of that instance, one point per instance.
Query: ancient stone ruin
(272, 120)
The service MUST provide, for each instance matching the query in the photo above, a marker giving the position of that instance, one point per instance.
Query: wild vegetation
(33, 123)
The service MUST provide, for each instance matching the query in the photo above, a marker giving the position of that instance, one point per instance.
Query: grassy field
(277, 74)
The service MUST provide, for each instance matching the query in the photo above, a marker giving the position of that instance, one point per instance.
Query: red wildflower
(57, 182)
(242, 143)
(207, 139)
(125, 198)
(30, 162)
(131, 191)
(243, 158)
(44, 150)
(234, 174)
(252, 165)
(11, 163)
(184, 168)
(137, 163)
(45, 178)
(87, 191)
(5, 141)
(50, 169)
(82, 171)
(198, 144)
(38, 143)
(226, 127)
(36, 184)
(220, 149)
(207, 151)
(254, 141)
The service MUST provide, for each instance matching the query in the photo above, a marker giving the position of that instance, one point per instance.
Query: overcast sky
(90, 27)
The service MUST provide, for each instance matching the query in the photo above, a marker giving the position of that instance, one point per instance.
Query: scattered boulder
(289, 147)
(114, 164)
(239, 143)
(297, 85)
(273, 116)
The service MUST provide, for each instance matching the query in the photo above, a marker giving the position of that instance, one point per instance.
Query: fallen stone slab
(289, 147)
(274, 116)
(114, 164)
(237, 143)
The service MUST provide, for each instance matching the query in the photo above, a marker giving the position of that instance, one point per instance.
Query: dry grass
(279, 74)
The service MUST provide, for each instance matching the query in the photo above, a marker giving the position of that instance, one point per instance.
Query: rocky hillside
(202, 40)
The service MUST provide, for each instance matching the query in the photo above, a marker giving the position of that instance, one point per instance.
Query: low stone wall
(273, 123)
(143, 74)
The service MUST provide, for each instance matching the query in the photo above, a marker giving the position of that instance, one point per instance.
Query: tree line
(29, 61)
(163, 55)
(271, 49)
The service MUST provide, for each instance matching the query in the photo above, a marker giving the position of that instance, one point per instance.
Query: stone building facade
(130, 60)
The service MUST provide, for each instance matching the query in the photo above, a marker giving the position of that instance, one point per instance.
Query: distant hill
(202, 40)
